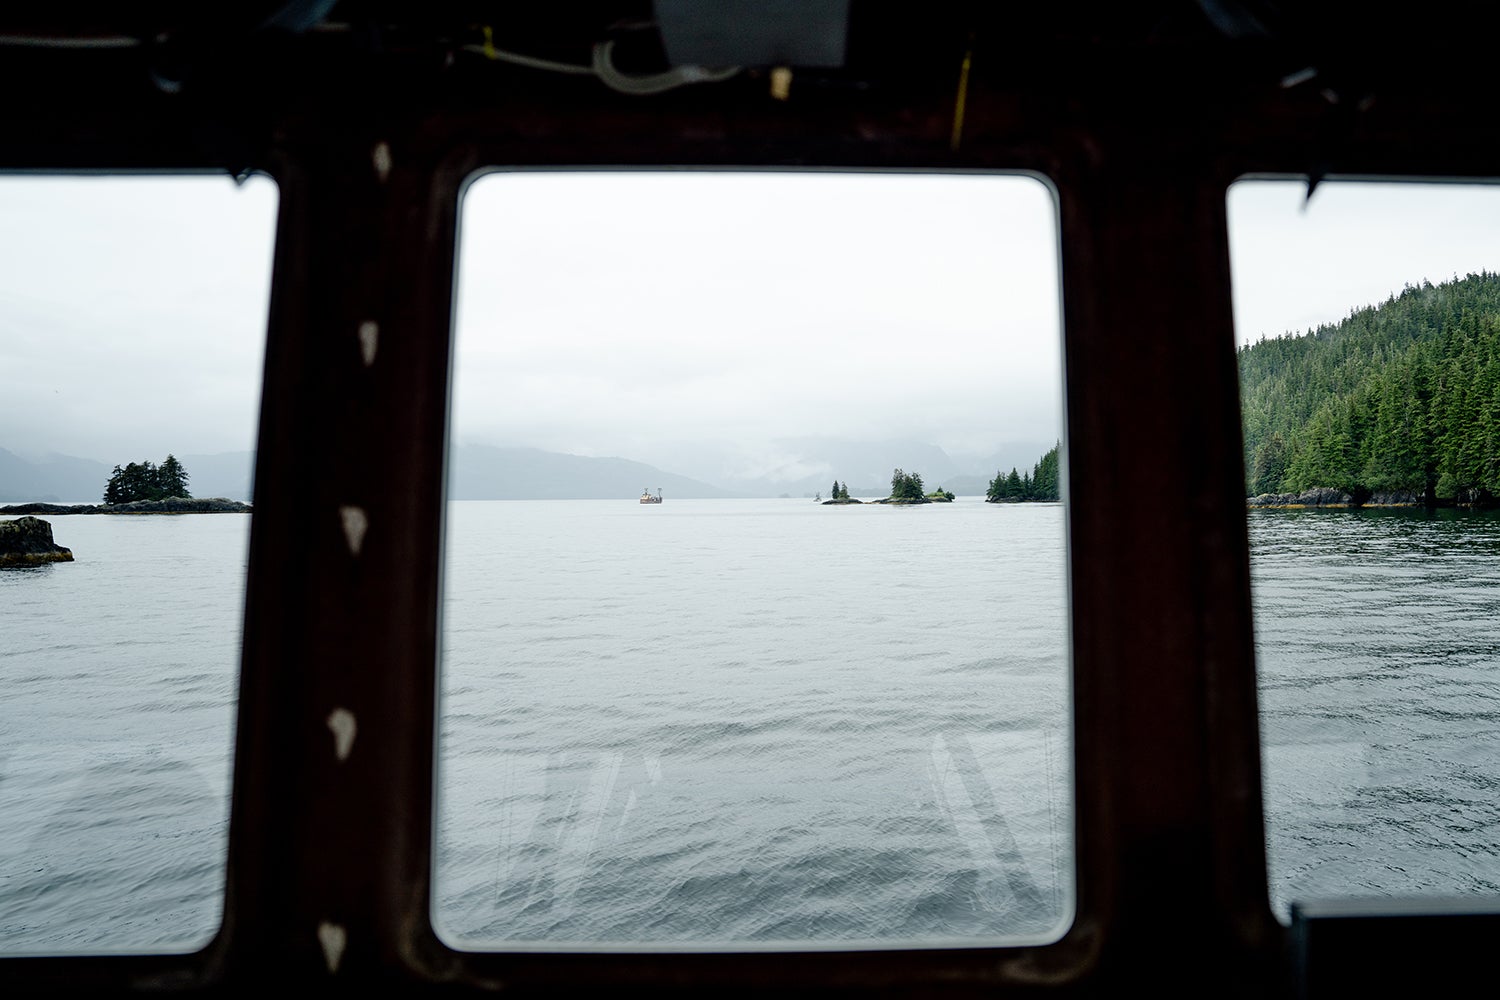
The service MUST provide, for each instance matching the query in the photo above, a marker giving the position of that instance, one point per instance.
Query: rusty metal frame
(371, 153)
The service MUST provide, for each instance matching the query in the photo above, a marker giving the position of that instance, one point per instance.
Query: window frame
(329, 870)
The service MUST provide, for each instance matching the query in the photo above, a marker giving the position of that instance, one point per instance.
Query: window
(767, 708)
(131, 336)
(1370, 321)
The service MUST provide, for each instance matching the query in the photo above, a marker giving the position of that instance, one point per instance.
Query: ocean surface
(743, 722)
(118, 678)
(753, 721)
(1378, 641)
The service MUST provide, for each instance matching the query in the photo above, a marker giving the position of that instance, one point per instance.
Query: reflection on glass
(132, 331)
(1371, 391)
(743, 715)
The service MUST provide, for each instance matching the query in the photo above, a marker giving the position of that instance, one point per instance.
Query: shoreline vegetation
(1331, 499)
(1041, 485)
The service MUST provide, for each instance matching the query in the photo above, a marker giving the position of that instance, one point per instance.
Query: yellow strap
(489, 43)
(958, 104)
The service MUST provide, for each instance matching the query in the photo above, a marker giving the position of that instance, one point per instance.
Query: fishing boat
(646, 496)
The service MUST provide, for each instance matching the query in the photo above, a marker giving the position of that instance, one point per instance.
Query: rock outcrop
(27, 541)
(1395, 498)
(1320, 496)
(173, 505)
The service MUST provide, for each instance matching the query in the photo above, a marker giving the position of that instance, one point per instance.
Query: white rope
(654, 83)
(604, 68)
(531, 62)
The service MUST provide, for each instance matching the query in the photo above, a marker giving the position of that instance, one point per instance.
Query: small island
(906, 489)
(840, 495)
(27, 541)
(171, 505)
(141, 488)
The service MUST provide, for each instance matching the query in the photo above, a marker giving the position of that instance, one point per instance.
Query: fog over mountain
(752, 334)
(797, 467)
(51, 478)
(809, 465)
(481, 472)
(54, 478)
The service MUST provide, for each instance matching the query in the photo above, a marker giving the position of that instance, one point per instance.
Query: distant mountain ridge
(55, 478)
(52, 478)
(806, 465)
(489, 472)
(479, 472)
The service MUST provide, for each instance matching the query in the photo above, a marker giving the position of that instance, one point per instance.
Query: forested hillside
(1402, 397)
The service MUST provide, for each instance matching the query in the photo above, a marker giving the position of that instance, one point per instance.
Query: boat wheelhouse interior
(371, 117)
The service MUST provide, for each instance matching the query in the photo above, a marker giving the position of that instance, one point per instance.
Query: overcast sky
(645, 314)
(132, 314)
(667, 310)
(1355, 244)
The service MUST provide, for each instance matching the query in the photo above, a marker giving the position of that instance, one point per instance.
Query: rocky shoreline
(27, 541)
(1323, 496)
(173, 505)
(905, 502)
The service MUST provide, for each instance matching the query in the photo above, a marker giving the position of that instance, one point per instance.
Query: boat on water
(646, 496)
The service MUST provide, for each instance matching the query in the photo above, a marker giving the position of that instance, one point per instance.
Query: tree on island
(906, 486)
(172, 478)
(147, 481)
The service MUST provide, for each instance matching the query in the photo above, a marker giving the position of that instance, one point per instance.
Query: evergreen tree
(172, 479)
(1043, 483)
(1397, 397)
(114, 489)
(906, 486)
(1045, 477)
(146, 481)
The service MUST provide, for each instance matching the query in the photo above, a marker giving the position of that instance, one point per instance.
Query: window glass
(691, 695)
(1369, 322)
(132, 317)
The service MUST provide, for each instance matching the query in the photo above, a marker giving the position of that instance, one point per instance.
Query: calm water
(751, 721)
(118, 673)
(1379, 646)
